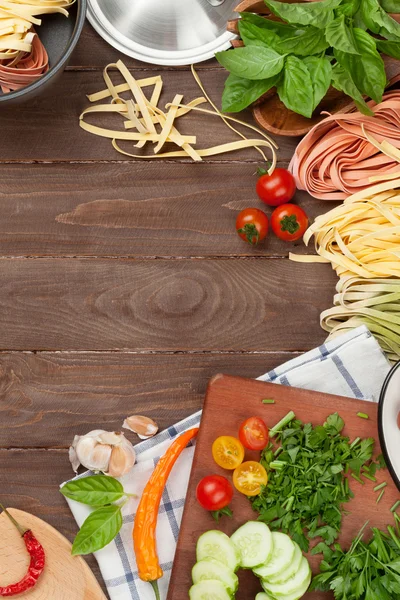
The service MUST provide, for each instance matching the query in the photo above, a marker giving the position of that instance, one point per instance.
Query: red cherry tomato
(252, 225)
(214, 492)
(253, 433)
(277, 188)
(289, 222)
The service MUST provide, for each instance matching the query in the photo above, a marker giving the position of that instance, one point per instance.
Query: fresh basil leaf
(391, 6)
(318, 14)
(348, 8)
(96, 490)
(240, 93)
(251, 62)
(264, 23)
(358, 20)
(99, 529)
(342, 81)
(389, 48)
(341, 36)
(320, 70)
(304, 42)
(252, 35)
(295, 88)
(367, 71)
(379, 22)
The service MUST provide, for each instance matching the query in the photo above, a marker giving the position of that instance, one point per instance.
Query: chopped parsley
(307, 481)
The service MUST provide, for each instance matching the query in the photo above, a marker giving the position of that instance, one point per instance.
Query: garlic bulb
(143, 426)
(106, 451)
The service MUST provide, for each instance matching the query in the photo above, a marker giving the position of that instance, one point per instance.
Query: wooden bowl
(272, 115)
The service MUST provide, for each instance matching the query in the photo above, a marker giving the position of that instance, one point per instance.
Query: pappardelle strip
(151, 124)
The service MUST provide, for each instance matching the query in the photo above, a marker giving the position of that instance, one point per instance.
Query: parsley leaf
(308, 482)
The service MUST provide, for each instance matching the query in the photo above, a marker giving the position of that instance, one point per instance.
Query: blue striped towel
(350, 365)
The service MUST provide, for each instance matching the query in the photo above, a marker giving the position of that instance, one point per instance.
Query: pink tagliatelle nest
(335, 159)
(24, 69)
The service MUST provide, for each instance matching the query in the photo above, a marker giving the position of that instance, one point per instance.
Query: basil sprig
(104, 523)
(319, 44)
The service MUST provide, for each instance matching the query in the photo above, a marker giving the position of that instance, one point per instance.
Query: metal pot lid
(164, 32)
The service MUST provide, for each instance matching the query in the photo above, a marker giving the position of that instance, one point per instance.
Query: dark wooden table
(124, 286)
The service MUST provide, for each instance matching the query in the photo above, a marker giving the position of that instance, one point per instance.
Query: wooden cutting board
(65, 577)
(229, 401)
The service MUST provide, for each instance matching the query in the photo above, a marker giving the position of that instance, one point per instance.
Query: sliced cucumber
(281, 558)
(209, 590)
(294, 587)
(254, 543)
(216, 544)
(294, 566)
(211, 569)
(263, 596)
(298, 593)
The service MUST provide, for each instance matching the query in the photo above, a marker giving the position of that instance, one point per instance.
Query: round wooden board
(65, 577)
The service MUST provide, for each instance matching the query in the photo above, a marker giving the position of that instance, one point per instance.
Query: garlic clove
(122, 459)
(92, 455)
(111, 437)
(73, 457)
(143, 426)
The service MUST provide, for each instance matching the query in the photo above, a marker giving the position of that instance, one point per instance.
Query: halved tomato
(253, 433)
(249, 477)
(228, 452)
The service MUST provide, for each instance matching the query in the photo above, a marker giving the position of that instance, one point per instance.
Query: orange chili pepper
(144, 529)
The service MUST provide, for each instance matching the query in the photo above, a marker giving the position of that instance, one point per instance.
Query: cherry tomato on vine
(253, 433)
(277, 188)
(252, 225)
(214, 492)
(227, 452)
(289, 222)
(249, 477)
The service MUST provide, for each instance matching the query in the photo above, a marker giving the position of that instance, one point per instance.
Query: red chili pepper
(36, 566)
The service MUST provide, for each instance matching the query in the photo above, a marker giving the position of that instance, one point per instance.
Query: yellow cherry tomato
(228, 452)
(249, 477)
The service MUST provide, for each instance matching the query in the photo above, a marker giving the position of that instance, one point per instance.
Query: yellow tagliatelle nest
(361, 237)
(16, 21)
(145, 122)
(361, 240)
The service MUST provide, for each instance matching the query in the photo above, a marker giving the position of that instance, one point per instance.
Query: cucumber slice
(254, 543)
(209, 590)
(263, 596)
(210, 569)
(282, 556)
(216, 544)
(293, 588)
(294, 566)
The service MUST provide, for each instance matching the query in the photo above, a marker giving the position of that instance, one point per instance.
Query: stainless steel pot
(59, 35)
(389, 432)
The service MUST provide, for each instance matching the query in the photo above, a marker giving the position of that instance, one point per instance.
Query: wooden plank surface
(47, 398)
(93, 304)
(48, 127)
(133, 327)
(237, 398)
(133, 210)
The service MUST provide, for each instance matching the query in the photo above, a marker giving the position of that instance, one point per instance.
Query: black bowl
(389, 433)
(59, 35)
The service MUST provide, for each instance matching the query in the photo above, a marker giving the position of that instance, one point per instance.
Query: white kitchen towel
(350, 365)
